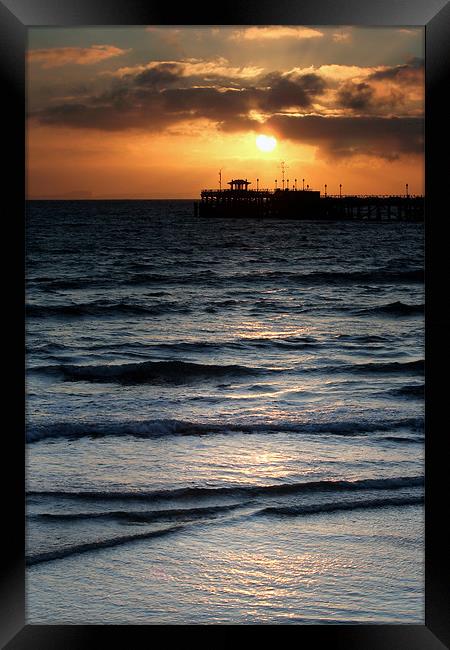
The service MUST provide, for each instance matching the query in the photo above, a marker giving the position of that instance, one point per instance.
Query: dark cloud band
(341, 137)
(161, 96)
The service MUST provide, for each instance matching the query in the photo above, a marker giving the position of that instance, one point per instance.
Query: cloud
(410, 73)
(410, 31)
(343, 36)
(359, 96)
(56, 57)
(275, 33)
(219, 67)
(158, 76)
(152, 99)
(334, 73)
(377, 99)
(290, 91)
(344, 111)
(164, 31)
(382, 90)
(346, 137)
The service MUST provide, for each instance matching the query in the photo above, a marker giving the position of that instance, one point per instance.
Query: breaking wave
(397, 308)
(140, 517)
(182, 372)
(389, 367)
(413, 392)
(76, 549)
(394, 483)
(167, 427)
(295, 511)
(147, 372)
(104, 308)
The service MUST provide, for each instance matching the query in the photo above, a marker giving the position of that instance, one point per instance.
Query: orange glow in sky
(155, 112)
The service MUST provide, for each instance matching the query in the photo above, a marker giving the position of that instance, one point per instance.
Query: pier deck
(308, 204)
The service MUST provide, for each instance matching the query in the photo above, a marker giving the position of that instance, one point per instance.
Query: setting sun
(266, 142)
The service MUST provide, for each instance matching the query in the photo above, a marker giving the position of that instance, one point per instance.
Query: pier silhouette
(291, 203)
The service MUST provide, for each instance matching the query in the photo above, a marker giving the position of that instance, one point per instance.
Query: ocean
(224, 419)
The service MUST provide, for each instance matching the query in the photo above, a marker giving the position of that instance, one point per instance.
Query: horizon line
(111, 198)
(184, 198)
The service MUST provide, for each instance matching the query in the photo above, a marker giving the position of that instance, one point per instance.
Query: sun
(266, 142)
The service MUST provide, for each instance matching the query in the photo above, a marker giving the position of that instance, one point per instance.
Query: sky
(156, 112)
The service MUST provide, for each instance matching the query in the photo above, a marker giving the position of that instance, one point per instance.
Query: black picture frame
(16, 16)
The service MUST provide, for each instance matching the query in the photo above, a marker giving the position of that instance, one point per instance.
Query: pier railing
(310, 189)
(371, 196)
(252, 191)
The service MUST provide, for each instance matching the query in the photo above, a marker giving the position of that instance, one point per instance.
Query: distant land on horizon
(89, 197)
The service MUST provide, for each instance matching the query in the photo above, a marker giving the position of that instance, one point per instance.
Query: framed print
(230, 272)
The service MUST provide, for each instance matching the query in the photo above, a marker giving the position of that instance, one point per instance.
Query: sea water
(224, 417)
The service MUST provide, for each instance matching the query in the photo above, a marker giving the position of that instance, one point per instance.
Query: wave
(392, 483)
(295, 511)
(104, 308)
(209, 277)
(417, 440)
(46, 348)
(365, 338)
(289, 342)
(148, 371)
(148, 516)
(181, 372)
(138, 279)
(389, 367)
(382, 367)
(167, 427)
(408, 391)
(397, 308)
(178, 372)
(52, 284)
(334, 277)
(68, 551)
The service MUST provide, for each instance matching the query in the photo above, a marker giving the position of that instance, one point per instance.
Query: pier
(240, 201)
